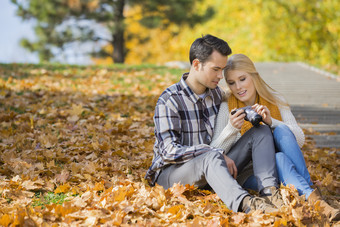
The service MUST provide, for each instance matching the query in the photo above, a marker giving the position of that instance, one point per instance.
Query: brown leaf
(73, 118)
(62, 177)
(239, 218)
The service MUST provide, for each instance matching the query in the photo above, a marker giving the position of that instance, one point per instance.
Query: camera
(251, 115)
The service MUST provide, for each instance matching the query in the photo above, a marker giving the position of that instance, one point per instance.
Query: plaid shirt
(184, 125)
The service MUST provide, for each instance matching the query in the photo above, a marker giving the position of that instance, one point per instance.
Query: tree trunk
(118, 41)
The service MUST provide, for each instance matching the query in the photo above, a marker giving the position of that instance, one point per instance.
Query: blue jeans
(290, 163)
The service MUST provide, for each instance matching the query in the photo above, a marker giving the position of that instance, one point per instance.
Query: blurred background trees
(61, 23)
(303, 30)
(148, 31)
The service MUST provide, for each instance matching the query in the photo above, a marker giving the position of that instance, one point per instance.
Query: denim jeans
(290, 163)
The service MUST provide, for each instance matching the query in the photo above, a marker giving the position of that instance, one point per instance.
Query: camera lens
(253, 117)
(256, 120)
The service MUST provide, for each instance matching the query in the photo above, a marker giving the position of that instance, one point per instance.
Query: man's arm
(168, 133)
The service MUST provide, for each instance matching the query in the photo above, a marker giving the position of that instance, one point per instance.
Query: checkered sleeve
(172, 142)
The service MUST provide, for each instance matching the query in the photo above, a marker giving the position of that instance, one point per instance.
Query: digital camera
(251, 115)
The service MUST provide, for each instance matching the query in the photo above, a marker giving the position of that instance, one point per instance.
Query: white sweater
(225, 135)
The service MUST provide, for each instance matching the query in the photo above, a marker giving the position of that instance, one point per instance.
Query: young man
(184, 122)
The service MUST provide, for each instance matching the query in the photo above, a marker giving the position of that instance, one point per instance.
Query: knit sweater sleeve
(225, 135)
(289, 120)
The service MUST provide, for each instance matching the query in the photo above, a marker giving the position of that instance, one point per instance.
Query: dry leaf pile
(84, 137)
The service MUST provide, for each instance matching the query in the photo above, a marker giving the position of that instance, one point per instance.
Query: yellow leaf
(280, 222)
(120, 194)
(76, 110)
(177, 189)
(118, 217)
(62, 211)
(195, 223)
(104, 146)
(175, 209)
(95, 145)
(328, 179)
(298, 213)
(99, 186)
(62, 188)
(32, 122)
(75, 190)
(19, 217)
(5, 220)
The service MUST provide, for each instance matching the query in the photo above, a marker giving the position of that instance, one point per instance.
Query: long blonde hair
(243, 63)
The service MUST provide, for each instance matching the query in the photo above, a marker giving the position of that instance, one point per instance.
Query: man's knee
(212, 158)
(213, 155)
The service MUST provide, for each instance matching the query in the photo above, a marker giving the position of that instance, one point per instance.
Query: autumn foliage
(75, 143)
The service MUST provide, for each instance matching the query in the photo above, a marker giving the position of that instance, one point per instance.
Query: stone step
(328, 141)
(316, 115)
(322, 128)
(320, 119)
(300, 85)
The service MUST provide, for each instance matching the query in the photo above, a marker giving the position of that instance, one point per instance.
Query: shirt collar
(187, 90)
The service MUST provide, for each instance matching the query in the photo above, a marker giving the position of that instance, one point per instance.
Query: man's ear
(196, 64)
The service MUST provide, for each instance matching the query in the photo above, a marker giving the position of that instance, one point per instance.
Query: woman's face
(242, 86)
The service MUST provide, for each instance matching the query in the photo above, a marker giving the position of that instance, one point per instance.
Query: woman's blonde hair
(241, 62)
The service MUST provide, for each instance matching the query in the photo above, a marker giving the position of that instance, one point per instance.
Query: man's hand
(231, 166)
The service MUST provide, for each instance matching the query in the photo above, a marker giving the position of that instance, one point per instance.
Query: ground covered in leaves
(75, 143)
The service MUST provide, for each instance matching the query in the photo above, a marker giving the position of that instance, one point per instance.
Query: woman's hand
(231, 166)
(237, 119)
(264, 112)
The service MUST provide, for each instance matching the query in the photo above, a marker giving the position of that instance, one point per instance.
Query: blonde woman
(247, 88)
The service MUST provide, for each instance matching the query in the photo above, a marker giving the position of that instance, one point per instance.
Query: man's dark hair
(203, 47)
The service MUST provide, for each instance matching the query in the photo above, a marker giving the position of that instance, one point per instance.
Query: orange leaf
(62, 211)
(118, 217)
(99, 186)
(175, 209)
(62, 188)
(5, 220)
(120, 194)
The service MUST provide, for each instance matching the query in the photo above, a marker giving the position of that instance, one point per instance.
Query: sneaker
(257, 203)
(331, 213)
(272, 195)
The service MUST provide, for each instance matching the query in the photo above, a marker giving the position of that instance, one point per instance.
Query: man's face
(209, 73)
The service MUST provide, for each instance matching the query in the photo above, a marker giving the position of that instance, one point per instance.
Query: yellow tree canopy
(301, 30)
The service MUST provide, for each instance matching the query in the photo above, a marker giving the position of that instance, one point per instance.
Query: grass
(77, 71)
(48, 198)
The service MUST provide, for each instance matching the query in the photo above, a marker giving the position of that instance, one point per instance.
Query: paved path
(313, 96)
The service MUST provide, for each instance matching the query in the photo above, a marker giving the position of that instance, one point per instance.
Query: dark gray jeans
(210, 168)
